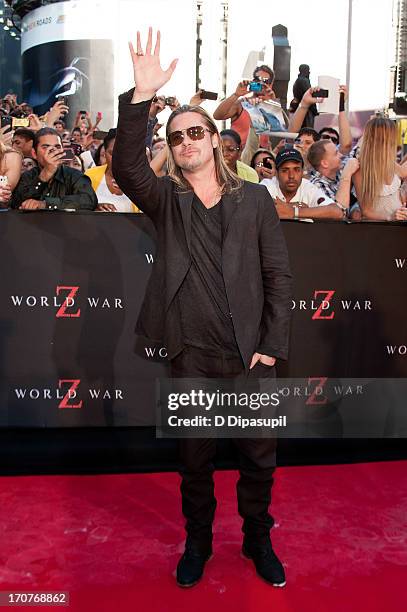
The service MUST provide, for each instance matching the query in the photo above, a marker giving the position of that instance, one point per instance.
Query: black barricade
(71, 289)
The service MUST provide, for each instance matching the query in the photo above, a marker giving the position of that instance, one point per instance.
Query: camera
(170, 101)
(208, 95)
(320, 93)
(256, 86)
(268, 163)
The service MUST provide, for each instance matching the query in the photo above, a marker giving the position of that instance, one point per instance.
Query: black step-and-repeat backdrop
(72, 285)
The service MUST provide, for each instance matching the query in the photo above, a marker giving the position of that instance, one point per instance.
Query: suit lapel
(185, 203)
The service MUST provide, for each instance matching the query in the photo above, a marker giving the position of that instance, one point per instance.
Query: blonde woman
(378, 181)
(10, 171)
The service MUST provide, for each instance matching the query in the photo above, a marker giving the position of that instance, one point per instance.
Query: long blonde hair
(377, 158)
(226, 178)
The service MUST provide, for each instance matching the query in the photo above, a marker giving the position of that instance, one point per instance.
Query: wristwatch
(296, 212)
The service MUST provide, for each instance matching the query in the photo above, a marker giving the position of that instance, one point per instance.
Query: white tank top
(105, 196)
(389, 200)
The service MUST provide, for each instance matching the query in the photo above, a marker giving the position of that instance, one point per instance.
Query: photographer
(52, 185)
(231, 108)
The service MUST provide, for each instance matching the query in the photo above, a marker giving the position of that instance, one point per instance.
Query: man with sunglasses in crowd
(219, 296)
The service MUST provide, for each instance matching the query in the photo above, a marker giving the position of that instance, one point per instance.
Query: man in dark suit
(219, 295)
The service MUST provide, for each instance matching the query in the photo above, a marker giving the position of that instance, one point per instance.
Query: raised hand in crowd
(172, 103)
(58, 111)
(343, 89)
(88, 141)
(149, 77)
(99, 118)
(242, 88)
(35, 122)
(308, 100)
(157, 106)
(196, 99)
(230, 108)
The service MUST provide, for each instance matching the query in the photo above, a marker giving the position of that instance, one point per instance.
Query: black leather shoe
(268, 565)
(191, 566)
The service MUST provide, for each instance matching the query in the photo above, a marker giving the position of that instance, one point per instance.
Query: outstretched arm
(131, 169)
(345, 134)
(307, 100)
(230, 108)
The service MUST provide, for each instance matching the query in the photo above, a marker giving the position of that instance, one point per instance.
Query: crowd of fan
(317, 175)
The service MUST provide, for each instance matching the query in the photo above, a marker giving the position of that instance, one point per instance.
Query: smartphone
(99, 135)
(76, 148)
(208, 95)
(68, 155)
(6, 120)
(3, 181)
(20, 122)
(170, 101)
(320, 93)
(99, 116)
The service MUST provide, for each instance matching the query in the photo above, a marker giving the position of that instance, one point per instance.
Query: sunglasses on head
(196, 132)
(334, 139)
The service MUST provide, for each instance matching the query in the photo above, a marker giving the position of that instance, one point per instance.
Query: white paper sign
(331, 103)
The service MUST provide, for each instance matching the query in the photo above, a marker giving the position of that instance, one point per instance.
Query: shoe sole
(191, 584)
(274, 584)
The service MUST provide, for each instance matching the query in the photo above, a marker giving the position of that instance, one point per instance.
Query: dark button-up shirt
(205, 318)
(68, 189)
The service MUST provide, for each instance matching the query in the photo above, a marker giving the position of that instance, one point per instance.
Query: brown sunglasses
(196, 132)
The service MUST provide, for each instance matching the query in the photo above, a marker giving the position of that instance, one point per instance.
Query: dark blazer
(254, 254)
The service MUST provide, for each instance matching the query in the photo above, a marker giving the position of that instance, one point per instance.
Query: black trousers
(257, 459)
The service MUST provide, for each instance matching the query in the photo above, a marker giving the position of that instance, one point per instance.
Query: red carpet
(113, 542)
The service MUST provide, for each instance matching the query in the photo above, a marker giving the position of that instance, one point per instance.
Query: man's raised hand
(149, 77)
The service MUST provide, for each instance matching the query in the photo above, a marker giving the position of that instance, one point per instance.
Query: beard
(189, 164)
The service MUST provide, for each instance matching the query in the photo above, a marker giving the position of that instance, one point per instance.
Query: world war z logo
(322, 304)
(65, 301)
(71, 392)
(68, 393)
